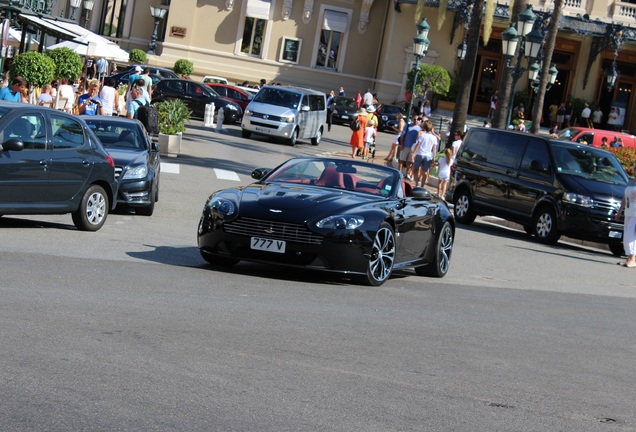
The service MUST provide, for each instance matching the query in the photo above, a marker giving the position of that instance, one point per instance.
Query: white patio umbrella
(94, 48)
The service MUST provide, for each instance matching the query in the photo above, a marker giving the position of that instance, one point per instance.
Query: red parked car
(233, 93)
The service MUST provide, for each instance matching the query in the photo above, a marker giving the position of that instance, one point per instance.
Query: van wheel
(616, 249)
(463, 208)
(545, 226)
(294, 137)
(316, 140)
(245, 133)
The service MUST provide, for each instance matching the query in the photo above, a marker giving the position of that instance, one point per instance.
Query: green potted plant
(173, 115)
(183, 67)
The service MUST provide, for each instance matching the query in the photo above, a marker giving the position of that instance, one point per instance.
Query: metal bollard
(208, 116)
(219, 120)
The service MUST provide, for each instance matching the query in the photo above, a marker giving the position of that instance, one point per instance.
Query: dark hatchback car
(156, 73)
(345, 109)
(196, 95)
(52, 163)
(234, 94)
(387, 114)
(137, 161)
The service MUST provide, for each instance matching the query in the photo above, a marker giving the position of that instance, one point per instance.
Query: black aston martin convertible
(338, 215)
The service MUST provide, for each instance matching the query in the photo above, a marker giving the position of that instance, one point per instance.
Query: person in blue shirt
(90, 103)
(14, 91)
(137, 101)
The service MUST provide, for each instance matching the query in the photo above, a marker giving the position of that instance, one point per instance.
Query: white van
(291, 113)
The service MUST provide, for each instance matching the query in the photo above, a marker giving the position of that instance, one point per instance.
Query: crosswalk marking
(170, 168)
(226, 175)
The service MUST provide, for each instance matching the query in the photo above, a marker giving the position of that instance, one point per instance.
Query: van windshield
(588, 162)
(279, 97)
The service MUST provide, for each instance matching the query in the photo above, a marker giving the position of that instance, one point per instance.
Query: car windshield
(279, 97)
(115, 134)
(588, 162)
(339, 174)
(346, 103)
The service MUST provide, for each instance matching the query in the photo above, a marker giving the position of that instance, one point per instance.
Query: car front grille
(275, 230)
(268, 117)
(609, 204)
(118, 171)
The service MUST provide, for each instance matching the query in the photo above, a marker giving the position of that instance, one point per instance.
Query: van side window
(504, 151)
(477, 146)
(316, 103)
(536, 159)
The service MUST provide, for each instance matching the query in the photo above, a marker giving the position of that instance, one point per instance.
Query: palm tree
(553, 29)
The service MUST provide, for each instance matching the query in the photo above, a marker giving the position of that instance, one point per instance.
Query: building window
(334, 27)
(256, 17)
(114, 13)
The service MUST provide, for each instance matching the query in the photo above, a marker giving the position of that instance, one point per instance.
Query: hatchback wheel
(93, 209)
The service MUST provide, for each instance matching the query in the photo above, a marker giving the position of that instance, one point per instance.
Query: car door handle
(86, 163)
(44, 164)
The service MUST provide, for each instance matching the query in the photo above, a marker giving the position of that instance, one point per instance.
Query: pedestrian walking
(628, 208)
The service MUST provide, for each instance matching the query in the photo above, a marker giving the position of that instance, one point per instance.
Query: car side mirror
(420, 193)
(13, 145)
(304, 108)
(259, 173)
(537, 165)
(154, 145)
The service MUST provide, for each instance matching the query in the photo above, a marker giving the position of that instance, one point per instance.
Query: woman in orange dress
(357, 137)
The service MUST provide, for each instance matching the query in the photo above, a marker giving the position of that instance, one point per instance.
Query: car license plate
(344, 116)
(268, 245)
(615, 234)
(262, 129)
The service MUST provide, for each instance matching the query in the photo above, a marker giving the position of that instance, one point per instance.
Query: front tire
(316, 140)
(149, 209)
(545, 226)
(463, 208)
(441, 262)
(93, 209)
(293, 138)
(382, 256)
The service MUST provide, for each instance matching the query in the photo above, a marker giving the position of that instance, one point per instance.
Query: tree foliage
(430, 77)
(137, 56)
(36, 68)
(183, 67)
(68, 64)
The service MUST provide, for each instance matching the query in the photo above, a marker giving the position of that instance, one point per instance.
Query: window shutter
(258, 9)
(335, 21)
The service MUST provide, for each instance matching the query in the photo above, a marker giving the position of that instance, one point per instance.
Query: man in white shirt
(367, 99)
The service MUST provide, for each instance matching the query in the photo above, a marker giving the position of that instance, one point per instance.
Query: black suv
(196, 95)
(52, 163)
(550, 187)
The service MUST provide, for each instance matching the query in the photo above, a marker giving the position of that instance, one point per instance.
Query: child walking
(444, 172)
(369, 138)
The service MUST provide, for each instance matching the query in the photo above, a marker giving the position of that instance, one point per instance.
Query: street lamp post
(420, 48)
(531, 41)
(88, 7)
(74, 5)
(158, 14)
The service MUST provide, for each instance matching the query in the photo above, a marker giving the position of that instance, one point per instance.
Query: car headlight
(136, 172)
(248, 112)
(384, 118)
(576, 199)
(340, 222)
(288, 119)
(222, 206)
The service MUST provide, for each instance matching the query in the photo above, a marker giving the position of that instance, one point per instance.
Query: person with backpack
(136, 103)
(139, 108)
(357, 127)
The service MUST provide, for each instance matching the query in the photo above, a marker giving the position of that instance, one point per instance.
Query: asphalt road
(128, 329)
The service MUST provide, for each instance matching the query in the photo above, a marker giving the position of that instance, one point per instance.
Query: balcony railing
(624, 12)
